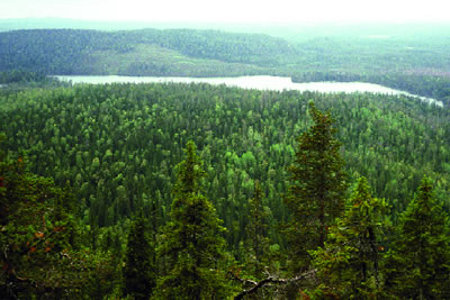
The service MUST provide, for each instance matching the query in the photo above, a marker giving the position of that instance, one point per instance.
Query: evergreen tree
(418, 265)
(256, 229)
(316, 196)
(3, 151)
(42, 255)
(139, 271)
(348, 264)
(191, 243)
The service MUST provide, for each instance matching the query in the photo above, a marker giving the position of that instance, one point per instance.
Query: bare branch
(267, 281)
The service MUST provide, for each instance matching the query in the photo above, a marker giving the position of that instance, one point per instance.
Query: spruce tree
(348, 264)
(418, 265)
(191, 243)
(316, 196)
(256, 229)
(43, 255)
(139, 270)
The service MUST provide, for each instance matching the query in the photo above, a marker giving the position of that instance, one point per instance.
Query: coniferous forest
(194, 191)
(412, 58)
(200, 191)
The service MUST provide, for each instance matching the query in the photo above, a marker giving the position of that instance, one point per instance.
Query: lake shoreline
(259, 82)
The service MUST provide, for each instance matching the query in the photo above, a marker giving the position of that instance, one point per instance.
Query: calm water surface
(253, 82)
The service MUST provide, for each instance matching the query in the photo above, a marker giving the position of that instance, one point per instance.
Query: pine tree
(191, 243)
(418, 265)
(316, 196)
(139, 271)
(348, 264)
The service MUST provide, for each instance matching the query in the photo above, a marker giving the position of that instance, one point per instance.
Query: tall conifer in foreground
(316, 196)
(139, 271)
(191, 243)
(43, 255)
(257, 227)
(418, 265)
(348, 265)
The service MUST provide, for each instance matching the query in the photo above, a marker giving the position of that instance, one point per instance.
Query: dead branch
(267, 281)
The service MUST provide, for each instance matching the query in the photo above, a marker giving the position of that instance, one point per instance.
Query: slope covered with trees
(418, 63)
(117, 144)
(119, 148)
(141, 52)
(44, 249)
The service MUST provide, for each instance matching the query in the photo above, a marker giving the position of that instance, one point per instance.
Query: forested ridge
(68, 51)
(226, 217)
(417, 63)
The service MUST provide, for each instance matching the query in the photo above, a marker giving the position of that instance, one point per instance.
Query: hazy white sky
(233, 11)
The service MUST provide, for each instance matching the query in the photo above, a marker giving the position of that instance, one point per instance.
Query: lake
(264, 82)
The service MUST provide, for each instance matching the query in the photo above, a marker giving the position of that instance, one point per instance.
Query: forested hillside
(229, 211)
(418, 63)
(141, 52)
(117, 144)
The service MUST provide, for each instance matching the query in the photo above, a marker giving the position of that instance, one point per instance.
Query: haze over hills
(405, 56)
(289, 31)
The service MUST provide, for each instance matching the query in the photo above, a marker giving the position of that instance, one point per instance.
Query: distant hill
(142, 52)
(392, 56)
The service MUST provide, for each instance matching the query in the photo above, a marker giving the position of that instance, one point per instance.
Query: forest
(410, 58)
(194, 191)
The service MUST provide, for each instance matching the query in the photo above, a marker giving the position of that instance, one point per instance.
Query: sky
(232, 11)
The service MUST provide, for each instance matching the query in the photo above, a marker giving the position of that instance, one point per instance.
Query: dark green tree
(348, 264)
(191, 243)
(2, 147)
(316, 195)
(139, 271)
(36, 227)
(42, 254)
(418, 265)
(256, 230)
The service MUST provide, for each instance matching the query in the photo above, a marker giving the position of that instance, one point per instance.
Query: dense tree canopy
(118, 147)
(41, 250)
(419, 261)
(98, 198)
(118, 144)
(349, 262)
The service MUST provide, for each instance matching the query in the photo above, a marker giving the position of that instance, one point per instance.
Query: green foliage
(140, 52)
(348, 264)
(20, 76)
(191, 245)
(427, 84)
(139, 272)
(3, 151)
(316, 196)
(418, 64)
(257, 246)
(190, 173)
(418, 264)
(117, 145)
(42, 255)
(257, 226)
